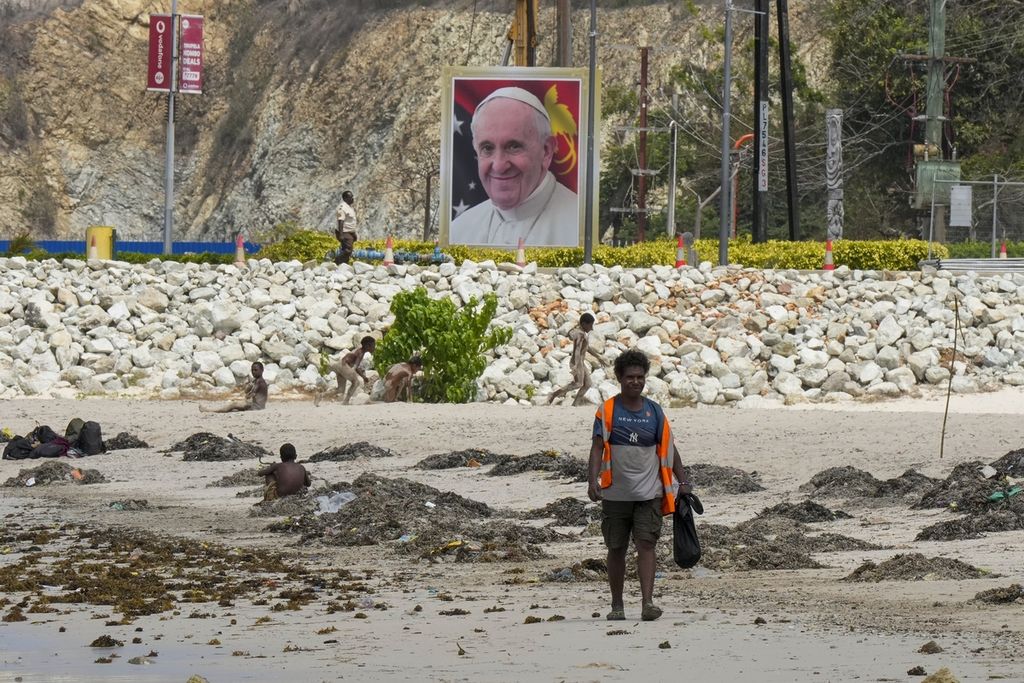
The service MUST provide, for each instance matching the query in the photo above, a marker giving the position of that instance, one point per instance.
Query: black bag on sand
(90, 440)
(55, 449)
(18, 448)
(685, 544)
(43, 434)
(74, 430)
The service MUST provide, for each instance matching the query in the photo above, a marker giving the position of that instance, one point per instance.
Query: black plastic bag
(685, 544)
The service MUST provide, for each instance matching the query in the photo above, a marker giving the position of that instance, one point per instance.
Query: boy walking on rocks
(580, 374)
(349, 371)
(632, 462)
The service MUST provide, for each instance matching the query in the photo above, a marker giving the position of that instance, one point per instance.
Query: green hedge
(863, 255)
(136, 257)
(984, 250)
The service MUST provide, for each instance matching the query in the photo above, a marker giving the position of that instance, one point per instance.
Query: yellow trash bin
(104, 236)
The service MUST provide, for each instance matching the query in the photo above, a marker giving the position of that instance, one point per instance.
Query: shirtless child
(580, 375)
(286, 477)
(349, 371)
(398, 381)
(255, 394)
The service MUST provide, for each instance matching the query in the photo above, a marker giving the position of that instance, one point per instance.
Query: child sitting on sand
(255, 394)
(286, 477)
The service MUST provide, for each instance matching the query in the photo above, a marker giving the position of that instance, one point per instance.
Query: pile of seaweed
(123, 441)
(55, 472)
(806, 511)
(916, 567)
(722, 479)
(567, 512)
(990, 497)
(559, 464)
(850, 482)
(248, 477)
(212, 448)
(470, 457)
(770, 541)
(351, 451)
(416, 519)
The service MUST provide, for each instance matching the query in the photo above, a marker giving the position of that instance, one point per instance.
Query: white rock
(206, 362)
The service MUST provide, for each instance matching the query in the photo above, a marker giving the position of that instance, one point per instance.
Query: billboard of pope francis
(513, 162)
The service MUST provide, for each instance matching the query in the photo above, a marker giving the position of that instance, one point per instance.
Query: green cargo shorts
(621, 517)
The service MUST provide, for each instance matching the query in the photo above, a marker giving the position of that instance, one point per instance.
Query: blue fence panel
(155, 248)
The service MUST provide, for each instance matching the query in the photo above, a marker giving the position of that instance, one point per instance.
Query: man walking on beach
(349, 369)
(632, 461)
(580, 374)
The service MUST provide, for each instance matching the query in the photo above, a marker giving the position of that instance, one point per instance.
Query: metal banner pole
(588, 221)
(169, 156)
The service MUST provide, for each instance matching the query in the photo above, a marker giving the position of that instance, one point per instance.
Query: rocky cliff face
(303, 99)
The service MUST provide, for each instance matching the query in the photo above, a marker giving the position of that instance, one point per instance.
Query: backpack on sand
(90, 440)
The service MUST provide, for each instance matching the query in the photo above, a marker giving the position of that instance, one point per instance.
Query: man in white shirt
(346, 230)
(514, 147)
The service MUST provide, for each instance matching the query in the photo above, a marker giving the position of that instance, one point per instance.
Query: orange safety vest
(663, 451)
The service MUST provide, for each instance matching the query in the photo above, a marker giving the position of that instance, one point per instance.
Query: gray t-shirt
(634, 439)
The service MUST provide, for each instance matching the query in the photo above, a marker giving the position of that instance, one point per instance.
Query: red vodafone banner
(191, 54)
(160, 34)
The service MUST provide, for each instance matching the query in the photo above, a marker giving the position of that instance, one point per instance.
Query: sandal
(650, 612)
(617, 614)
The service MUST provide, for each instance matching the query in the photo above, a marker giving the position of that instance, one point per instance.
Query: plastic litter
(31, 481)
(988, 471)
(333, 502)
(430, 504)
(405, 538)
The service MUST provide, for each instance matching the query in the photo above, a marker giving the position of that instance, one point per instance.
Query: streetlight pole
(725, 200)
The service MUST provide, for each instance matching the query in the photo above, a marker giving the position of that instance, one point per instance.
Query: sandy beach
(370, 612)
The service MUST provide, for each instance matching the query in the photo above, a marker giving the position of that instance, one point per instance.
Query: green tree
(451, 340)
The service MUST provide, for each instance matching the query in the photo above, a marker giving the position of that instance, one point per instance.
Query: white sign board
(960, 206)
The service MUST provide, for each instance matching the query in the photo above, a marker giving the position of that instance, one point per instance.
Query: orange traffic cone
(240, 251)
(389, 252)
(521, 253)
(93, 251)
(829, 265)
(1002, 251)
(680, 253)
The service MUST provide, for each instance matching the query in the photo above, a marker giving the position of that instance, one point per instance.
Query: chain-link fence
(986, 211)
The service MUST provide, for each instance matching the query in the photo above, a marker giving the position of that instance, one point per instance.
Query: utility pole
(935, 120)
(787, 120)
(564, 33)
(724, 200)
(641, 193)
(169, 156)
(936, 76)
(588, 221)
(759, 231)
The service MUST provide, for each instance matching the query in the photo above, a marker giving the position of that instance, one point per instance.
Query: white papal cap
(517, 94)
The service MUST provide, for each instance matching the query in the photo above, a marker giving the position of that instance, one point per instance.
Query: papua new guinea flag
(561, 98)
